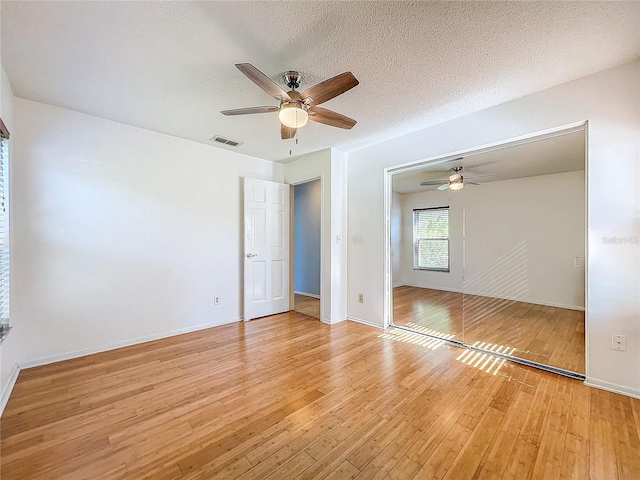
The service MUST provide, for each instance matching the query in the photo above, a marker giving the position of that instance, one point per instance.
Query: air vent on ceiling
(226, 141)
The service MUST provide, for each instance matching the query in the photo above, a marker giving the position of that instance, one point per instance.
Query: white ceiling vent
(226, 141)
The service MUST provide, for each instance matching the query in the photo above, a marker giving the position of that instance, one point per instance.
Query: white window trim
(416, 241)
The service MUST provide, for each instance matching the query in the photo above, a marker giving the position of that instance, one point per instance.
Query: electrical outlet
(361, 298)
(619, 342)
(216, 300)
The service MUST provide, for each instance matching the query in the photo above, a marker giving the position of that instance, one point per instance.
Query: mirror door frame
(439, 159)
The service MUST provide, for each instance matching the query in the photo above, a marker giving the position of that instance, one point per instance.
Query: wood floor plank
(548, 335)
(469, 458)
(288, 397)
(603, 464)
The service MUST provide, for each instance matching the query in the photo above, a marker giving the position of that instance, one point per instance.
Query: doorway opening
(307, 224)
(487, 249)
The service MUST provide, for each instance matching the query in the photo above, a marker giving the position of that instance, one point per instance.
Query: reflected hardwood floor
(549, 335)
(307, 305)
(288, 397)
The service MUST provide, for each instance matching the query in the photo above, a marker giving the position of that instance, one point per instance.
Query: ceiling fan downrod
(292, 79)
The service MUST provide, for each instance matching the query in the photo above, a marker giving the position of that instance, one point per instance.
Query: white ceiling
(169, 66)
(558, 154)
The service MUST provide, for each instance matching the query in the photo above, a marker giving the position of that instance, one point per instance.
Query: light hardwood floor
(307, 305)
(289, 397)
(549, 335)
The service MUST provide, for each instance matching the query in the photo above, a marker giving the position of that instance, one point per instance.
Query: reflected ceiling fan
(455, 181)
(296, 108)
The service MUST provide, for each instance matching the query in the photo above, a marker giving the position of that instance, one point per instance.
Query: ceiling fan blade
(264, 82)
(434, 182)
(471, 183)
(482, 175)
(329, 117)
(444, 186)
(286, 132)
(329, 89)
(246, 111)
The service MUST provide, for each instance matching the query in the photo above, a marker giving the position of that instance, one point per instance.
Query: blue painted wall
(306, 237)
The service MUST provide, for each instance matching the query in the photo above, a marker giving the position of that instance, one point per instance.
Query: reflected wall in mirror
(516, 283)
(427, 252)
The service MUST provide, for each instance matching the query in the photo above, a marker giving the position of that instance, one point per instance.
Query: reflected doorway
(507, 274)
(307, 211)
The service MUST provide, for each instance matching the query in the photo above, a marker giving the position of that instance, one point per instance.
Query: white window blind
(4, 238)
(431, 239)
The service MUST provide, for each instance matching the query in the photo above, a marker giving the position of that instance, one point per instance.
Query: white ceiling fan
(455, 181)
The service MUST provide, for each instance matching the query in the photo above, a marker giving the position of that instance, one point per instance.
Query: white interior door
(266, 248)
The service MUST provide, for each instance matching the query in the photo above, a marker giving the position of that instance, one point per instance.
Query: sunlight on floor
(429, 331)
(485, 362)
(400, 335)
(482, 361)
(494, 365)
(494, 347)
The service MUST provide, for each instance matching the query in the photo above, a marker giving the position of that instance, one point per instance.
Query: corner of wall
(338, 236)
(8, 388)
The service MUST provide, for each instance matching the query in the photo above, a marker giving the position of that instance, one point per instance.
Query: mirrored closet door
(489, 250)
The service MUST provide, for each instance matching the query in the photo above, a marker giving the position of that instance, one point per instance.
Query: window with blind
(4, 232)
(431, 239)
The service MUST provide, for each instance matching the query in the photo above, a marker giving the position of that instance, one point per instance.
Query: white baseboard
(329, 322)
(306, 294)
(8, 388)
(365, 322)
(612, 387)
(125, 343)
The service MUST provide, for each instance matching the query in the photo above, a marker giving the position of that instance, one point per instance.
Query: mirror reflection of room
(497, 263)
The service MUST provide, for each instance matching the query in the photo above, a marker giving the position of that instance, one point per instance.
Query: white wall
(330, 166)
(338, 236)
(610, 101)
(527, 231)
(307, 208)
(124, 234)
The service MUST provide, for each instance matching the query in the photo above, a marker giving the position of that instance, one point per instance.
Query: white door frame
(292, 244)
(436, 160)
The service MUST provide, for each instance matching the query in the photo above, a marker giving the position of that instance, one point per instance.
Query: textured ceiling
(169, 66)
(558, 154)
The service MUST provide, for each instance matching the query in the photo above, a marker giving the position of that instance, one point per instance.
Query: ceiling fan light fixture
(456, 182)
(292, 115)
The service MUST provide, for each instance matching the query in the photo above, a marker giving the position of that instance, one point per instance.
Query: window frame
(416, 241)
(5, 278)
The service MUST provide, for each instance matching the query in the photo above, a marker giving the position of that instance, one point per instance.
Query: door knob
(249, 255)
